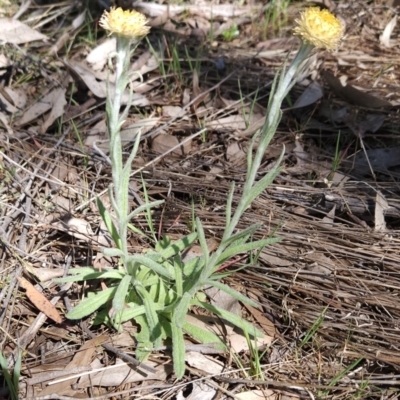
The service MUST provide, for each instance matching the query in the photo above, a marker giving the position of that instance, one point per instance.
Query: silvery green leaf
(83, 270)
(193, 265)
(232, 292)
(178, 275)
(178, 348)
(151, 316)
(182, 309)
(245, 247)
(232, 318)
(178, 246)
(91, 304)
(263, 183)
(245, 233)
(144, 207)
(135, 148)
(145, 345)
(105, 215)
(119, 299)
(90, 276)
(204, 336)
(153, 265)
(154, 255)
(133, 311)
(9, 379)
(17, 371)
(143, 273)
(229, 200)
(165, 327)
(202, 240)
(112, 252)
(161, 292)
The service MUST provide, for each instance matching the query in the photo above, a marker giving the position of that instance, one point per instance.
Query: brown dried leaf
(329, 218)
(122, 373)
(204, 363)
(98, 57)
(87, 79)
(237, 341)
(267, 326)
(53, 101)
(57, 109)
(223, 300)
(4, 120)
(40, 301)
(196, 251)
(16, 32)
(210, 11)
(82, 358)
(240, 343)
(46, 274)
(273, 260)
(163, 144)
(235, 154)
(76, 227)
(236, 122)
(266, 394)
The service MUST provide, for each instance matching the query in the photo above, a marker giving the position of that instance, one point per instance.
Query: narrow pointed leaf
(91, 304)
(144, 207)
(119, 299)
(151, 316)
(105, 215)
(245, 247)
(232, 292)
(90, 276)
(178, 246)
(178, 349)
(182, 309)
(112, 252)
(204, 336)
(233, 319)
(153, 265)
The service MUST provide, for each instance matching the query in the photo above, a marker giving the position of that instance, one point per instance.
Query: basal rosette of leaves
(153, 296)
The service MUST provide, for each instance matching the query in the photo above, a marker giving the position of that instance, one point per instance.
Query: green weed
(12, 377)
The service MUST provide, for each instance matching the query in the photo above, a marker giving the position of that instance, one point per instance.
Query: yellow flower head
(130, 24)
(319, 28)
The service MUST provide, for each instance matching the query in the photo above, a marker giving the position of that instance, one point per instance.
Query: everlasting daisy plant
(158, 288)
(128, 27)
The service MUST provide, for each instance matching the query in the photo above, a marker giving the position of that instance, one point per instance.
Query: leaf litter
(336, 268)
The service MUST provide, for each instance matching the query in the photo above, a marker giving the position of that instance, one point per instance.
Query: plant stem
(119, 192)
(268, 130)
(285, 83)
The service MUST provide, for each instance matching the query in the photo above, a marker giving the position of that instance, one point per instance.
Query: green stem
(119, 191)
(268, 131)
(270, 126)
